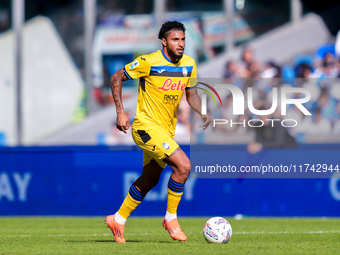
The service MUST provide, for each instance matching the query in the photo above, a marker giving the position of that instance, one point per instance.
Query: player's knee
(187, 167)
(184, 170)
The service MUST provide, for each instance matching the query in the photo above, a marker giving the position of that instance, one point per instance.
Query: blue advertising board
(94, 181)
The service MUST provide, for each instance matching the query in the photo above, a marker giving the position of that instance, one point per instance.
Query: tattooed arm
(116, 87)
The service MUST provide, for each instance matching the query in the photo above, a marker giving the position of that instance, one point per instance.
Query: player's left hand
(206, 118)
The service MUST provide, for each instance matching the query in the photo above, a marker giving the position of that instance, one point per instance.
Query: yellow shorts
(156, 144)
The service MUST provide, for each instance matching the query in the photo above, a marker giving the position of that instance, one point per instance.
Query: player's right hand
(123, 123)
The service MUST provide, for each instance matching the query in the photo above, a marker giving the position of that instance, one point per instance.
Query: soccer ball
(217, 230)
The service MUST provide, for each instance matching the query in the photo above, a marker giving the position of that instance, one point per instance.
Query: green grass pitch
(78, 235)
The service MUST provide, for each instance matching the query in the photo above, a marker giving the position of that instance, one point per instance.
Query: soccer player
(163, 75)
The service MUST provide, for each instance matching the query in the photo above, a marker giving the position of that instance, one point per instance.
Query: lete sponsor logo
(170, 85)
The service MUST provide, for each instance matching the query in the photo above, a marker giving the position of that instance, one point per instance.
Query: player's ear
(164, 42)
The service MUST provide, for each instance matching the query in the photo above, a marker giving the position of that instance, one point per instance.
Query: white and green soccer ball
(217, 230)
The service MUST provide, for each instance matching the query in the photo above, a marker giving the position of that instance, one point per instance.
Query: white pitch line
(287, 232)
(144, 234)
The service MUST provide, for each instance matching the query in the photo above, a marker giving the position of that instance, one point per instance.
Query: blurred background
(57, 118)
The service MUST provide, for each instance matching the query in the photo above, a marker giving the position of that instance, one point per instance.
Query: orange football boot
(174, 230)
(117, 230)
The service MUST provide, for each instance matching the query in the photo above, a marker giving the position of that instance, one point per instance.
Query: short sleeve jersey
(161, 86)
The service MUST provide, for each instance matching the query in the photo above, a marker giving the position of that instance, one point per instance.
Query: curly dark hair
(170, 25)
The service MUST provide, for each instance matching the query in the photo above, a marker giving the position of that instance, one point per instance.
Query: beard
(172, 54)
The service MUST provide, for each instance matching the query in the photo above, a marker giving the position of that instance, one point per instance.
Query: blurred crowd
(319, 72)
